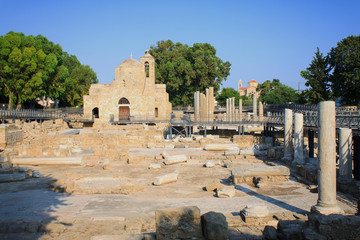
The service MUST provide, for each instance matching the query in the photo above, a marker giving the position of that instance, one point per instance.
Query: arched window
(147, 69)
(156, 112)
(95, 112)
(123, 83)
(124, 101)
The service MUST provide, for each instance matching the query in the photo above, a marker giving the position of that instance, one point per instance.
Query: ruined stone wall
(10, 135)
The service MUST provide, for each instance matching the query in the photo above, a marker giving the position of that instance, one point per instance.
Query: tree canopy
(318, 79)
(345, 60)
(275, 92)
(335, 76)
(32, 67)
(186, 69)
(227, 93)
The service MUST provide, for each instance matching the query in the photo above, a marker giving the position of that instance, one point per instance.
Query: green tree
(318, 76)
(32, 67)
(227, 93)
(345, 59)
(276, 93)
(186, 69)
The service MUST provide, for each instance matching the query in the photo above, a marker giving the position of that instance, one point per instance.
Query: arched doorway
(95, 112)
(124, 109)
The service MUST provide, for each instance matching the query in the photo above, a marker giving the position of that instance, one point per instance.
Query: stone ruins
(66, 180)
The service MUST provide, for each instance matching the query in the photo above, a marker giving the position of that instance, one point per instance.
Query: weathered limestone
(226, 192)
(155, 166)
(276, 173)
(210, 164)
(213, 185)
(197, 105)
(252, 152)
(48, 161)
(327, 203)
(218, 147)
(299, 139)
(11, 177)
(178, 223)
(261, 111)
(175, 159)
(345, 152)
(255, 106)
(232, 151)
(204, 105)
(288, 133)
(214, 226)
(240, 109)
(255, 213)
(166, 178)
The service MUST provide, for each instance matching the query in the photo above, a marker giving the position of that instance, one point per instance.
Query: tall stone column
(211, 103)
(288, 133)
(240, 109)
(227, 109)
(345, 144)
(233, 109)
(327, 203)
(299, 139)
(207, 102)
(261, 111)
(255, 106)
(197, 105)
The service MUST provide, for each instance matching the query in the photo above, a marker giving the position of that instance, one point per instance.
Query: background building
(249, 90)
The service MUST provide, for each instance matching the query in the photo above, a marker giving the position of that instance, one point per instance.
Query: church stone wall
(131, 82)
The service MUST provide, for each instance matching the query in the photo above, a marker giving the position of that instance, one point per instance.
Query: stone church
(133, 95)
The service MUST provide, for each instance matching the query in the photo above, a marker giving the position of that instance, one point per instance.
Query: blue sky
(261, 39)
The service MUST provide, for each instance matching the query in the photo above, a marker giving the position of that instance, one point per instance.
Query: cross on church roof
(130, 55)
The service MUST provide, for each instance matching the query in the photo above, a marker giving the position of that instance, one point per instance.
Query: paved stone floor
(33, 201)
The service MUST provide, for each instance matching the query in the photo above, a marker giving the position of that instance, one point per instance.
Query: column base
(326, 210)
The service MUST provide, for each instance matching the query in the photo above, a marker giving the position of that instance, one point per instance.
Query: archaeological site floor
(118, 200)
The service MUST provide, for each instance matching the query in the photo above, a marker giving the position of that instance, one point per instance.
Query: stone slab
(48, 161)
(239, 175)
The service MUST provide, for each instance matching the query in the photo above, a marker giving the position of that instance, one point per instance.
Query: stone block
(214, 226)
(232, 151)
(226, 192)
(175, 159)
(155, 166)
(12, 177)
(178, 223)
(218, 147)
(213, 185)
(239, 175)
(209, 164)
(166, 178)
(49, 161)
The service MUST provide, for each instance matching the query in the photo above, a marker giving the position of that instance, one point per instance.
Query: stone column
(207, 94)
(240, 109)
(197, 105)
(211, 104)
(255, 106)
(227, 109)
(299, 139)
(345, 153)
(261, 111)
(327, 203)
(202, 107)
(233, 109)
(288, 133)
